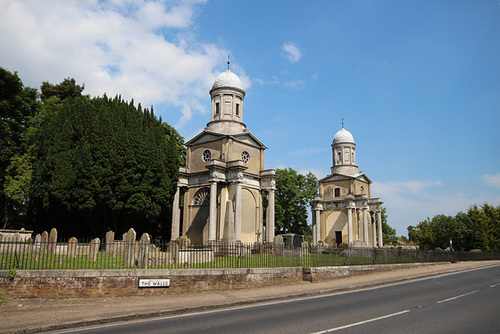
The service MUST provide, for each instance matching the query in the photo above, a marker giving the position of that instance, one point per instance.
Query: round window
(245, 157)
(207, 155)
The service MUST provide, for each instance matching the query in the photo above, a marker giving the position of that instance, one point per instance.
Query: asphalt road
(464, 302)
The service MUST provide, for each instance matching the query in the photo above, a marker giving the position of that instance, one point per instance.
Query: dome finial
(228, 62)
(342, 122)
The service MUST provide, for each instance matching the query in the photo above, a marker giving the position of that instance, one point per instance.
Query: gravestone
(52, 241)
(72, 245)
(16, 243)
(36, 246)
(94, 249)
(110, 239)
(142, 259)
(44, 243)
(278, 245)
(173, 249)
(129, 258)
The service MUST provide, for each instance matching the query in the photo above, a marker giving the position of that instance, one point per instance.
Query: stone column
(315, 238)
(379, 223)
(349, 226)
(213, 212)
(270, 216)
(374, 230)
(237, 213)
(176, 212)
(366, 237)
(318, 225)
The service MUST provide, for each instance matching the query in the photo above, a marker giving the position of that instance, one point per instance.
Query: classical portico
(344, 212)
(224, 180)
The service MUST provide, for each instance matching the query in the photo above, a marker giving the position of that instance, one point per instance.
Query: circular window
(207, 155)
(245, 157)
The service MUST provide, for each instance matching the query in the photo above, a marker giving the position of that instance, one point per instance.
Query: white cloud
(292, 52)
(492, 180)
(114, 47)
(295, 84)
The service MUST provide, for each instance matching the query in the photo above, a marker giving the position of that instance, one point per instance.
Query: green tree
(104, 164)
(18, 104)
(388, 232)
(478, 228)
(293, 193)
(63, 90)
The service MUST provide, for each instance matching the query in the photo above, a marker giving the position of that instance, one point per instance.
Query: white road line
(494, 285)
(361, 322)
(452, 298)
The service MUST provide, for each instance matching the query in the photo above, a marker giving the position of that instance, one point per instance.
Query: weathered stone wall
(119, 283)
(318, 274)
(125, 282)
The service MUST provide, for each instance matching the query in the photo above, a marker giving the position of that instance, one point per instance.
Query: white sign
(154, 283)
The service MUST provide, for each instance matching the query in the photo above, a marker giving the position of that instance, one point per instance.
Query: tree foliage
(103, 164)
(293, 193)
(18, 104)
(388, 232)
(84, 165)
(478, 228)
(63, 90)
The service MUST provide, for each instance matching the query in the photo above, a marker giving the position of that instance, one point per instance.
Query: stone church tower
(224, 178)
(344, 212)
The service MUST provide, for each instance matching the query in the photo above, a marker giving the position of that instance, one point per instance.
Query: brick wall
(125, 282)
(103, 283)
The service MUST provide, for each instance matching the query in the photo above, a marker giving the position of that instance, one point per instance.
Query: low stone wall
(120, 283)
(125, 282)
(318, 274)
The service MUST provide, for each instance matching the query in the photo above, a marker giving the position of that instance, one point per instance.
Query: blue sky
(417, 82)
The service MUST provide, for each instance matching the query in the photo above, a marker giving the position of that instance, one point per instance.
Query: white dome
(227, 79)
(343, 136)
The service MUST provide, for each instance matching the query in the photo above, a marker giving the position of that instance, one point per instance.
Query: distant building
(344, 212)
(224, 178)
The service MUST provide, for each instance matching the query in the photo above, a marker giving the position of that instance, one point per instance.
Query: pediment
(209, 136)
(342, 177)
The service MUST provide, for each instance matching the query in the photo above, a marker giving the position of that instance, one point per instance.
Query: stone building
(224, 179)
(344, 212)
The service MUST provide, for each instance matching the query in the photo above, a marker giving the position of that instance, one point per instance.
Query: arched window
(202, 197)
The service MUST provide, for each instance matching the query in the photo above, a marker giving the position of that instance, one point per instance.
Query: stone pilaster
(213, 212)
(270, 216)
(379, 223)
(175, 216)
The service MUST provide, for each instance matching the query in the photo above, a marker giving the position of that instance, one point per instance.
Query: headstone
(72, 245)
(36, 246)
(173, 249)
(52, 241)
(142, 259)
(29, 242)
(44, 243)
(129, 258)
(278, 245)
(94, 249)
(110, 239)
(16, 243)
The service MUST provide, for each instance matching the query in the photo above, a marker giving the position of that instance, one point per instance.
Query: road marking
(494, 285)
(460, 296)
(361, 322)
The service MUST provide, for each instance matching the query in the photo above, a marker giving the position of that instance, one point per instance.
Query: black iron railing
(172, 255)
